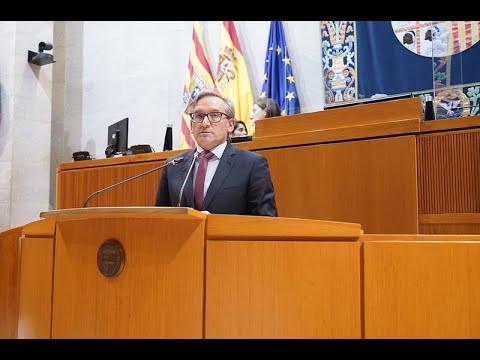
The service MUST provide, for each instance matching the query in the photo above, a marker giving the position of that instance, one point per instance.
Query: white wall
(7, 68)
(25, 123)
(137, 70)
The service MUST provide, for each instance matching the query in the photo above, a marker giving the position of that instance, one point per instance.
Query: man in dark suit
(236, 181)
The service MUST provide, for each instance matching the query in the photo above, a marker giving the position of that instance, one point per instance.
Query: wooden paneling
(77, 185)
(9, 275)
(449, 172)
(40, 228)
(36, 282)
(282, 289)
(452, 124)
(467, 223)
(159, 293)
(272, 277)
(423, 287)
(77, 180)
(119, 160)
(319, 136)
(371, 182)
(364, 114)
(459, 228)
(276, 228)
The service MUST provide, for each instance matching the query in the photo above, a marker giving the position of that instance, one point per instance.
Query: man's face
(428, 35)
(407, 39)
(209, 135)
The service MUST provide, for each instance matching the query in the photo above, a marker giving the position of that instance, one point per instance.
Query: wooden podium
(187, 274)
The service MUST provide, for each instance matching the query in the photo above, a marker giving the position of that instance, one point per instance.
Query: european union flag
(278, 80)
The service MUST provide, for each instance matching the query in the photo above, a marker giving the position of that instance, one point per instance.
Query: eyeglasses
(213, 116)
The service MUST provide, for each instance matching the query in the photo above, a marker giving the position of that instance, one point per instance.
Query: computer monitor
(117, 138)
(239, 139)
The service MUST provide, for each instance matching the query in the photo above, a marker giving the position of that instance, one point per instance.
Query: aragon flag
(232, 75)
(198, 77)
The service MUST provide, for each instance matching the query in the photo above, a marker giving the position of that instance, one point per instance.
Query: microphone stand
(171, 162)
(195, 156)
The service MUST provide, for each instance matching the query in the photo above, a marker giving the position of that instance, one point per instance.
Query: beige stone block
(30, 182)
(7, 61)
(4, 209)
(5, 175)
(32, 111)
(7, 28)
(6, 128)
(31, 142)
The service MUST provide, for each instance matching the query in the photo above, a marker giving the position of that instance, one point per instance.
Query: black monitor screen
(238, 139)
(117, 138)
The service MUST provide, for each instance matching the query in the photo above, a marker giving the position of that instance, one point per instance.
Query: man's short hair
(229, 106)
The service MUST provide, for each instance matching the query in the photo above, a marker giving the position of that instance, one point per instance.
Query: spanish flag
(232, 76)
(198, 77)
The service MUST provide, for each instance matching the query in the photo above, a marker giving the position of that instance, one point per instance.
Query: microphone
(171, 162)
(195, 156)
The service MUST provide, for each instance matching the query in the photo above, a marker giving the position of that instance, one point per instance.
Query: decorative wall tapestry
(338, 51)
(378, 58)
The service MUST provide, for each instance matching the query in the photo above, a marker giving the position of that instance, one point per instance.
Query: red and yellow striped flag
(232, 75)
(198, 77)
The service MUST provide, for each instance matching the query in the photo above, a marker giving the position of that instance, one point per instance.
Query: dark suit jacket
(241, 185)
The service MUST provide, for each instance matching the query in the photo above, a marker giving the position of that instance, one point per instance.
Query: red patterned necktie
(200, 179)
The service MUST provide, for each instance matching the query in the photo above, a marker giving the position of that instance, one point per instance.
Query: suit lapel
(224, 166)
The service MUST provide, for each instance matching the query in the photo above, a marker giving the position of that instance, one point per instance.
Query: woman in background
(239, 129)
(264, 108)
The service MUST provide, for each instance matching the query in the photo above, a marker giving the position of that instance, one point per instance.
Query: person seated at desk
(239, 129)
(215, 176)
(264, 108)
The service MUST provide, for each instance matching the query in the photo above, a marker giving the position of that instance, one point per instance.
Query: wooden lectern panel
(159, 293)
(422, 286)
(272, 277)
(283, 289)
(36, 281)
(9, 274)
